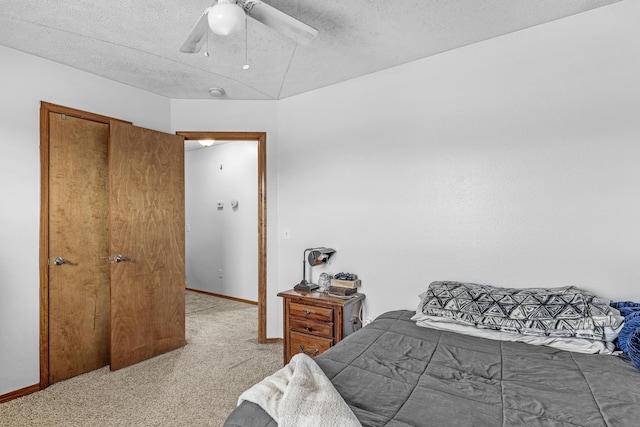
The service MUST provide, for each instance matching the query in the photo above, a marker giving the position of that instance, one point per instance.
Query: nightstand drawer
(313, 312)
(309, 326)
(310, 345)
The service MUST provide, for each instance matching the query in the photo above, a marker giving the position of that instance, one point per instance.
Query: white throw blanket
(301, 395)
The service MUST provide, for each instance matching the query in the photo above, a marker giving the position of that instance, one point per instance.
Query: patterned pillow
(554, 312)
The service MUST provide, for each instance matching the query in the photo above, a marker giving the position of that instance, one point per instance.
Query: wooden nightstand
(315, 321)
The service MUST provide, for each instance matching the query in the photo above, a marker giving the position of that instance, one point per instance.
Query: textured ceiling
(137, 42)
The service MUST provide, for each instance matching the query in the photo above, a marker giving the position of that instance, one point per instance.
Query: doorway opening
(261, 139)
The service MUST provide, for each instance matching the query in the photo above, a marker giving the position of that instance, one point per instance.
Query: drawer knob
(309, 311)
(309, 353)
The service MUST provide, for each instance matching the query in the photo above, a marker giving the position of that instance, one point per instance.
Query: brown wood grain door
(146, 204)
(78, 246)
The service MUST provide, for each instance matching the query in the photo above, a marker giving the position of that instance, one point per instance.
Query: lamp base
(305, 286)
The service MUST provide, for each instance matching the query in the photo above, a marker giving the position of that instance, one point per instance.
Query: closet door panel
(78, 246)
(146, 206)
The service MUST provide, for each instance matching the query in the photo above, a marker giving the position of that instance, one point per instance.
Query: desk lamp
(316, 256)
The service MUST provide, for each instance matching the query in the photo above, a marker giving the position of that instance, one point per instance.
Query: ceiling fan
(227, 16)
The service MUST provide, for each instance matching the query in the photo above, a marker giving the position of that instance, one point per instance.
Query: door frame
(261, 138)
(45, 109)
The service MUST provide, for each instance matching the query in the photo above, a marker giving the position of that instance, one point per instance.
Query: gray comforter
(394, 373)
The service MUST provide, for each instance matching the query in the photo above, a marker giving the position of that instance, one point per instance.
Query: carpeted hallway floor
(197, 385)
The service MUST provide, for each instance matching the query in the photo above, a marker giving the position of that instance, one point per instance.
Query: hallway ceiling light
(206, 142)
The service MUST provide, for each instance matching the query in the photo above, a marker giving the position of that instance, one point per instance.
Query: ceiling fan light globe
(226, 18)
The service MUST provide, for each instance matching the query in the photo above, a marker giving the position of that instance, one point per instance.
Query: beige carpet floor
(197, 385)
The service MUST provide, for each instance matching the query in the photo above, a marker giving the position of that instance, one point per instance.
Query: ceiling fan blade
(197, 36)
(281, 22)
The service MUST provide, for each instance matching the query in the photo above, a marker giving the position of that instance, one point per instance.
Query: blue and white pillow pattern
(557, 316)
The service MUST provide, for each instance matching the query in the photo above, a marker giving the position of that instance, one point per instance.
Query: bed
(395, 373)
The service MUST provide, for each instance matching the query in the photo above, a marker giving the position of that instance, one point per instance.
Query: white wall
(512, 162)
(25, 81)
(222, 239)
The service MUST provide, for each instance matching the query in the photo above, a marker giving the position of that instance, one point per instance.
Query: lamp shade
(226, 17)
(319, 256)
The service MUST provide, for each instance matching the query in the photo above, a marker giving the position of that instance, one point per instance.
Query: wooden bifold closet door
(116, 269)
(147, 227)
(78, 246)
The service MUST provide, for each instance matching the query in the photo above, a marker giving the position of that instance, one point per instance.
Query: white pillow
(578, 345)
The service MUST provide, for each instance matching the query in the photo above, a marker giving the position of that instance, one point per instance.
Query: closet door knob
(59, 261)
(121, 258)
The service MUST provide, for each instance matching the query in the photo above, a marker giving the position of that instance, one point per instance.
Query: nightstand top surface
(320, 296)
